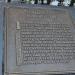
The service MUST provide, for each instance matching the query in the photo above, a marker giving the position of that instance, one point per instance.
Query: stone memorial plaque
(38, 40)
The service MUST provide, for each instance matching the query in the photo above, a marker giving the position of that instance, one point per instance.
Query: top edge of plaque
(38, 6)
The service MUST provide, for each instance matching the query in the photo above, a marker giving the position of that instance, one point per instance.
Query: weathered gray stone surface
(1, 36)
(39, 40)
